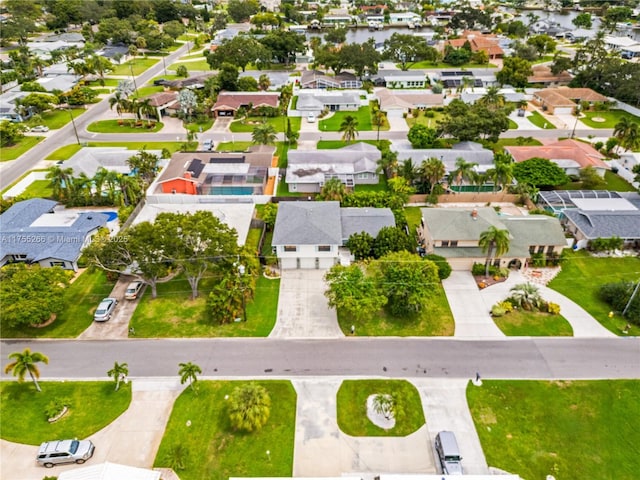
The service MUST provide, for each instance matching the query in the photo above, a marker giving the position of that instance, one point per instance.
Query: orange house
(184, 184)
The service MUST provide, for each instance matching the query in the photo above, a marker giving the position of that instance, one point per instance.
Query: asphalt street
(526, 358)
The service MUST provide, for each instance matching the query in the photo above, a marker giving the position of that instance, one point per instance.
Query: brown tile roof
(542, 74)
(566, 96)
(162, 98)
(478, 41)
(235, 100)
(583, 154)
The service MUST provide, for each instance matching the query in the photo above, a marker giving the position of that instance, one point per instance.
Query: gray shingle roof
(605, 224)
(62, 240)
(458, 224)
(533, 230)
(470, 151)
(370, 220)
(310, 166)
(308, 223)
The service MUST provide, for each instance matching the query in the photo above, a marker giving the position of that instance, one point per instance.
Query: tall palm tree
(118, 373)
(98, 182)
(111, 179)
(388, 163)
(264, 82)
(378, 120)
(502, 173)
(433, 170)
(132, 105)
(249, 407)
(409, 171)
(147, 109)
(25, 362)
(189, 372)
(493, 238)
(464, 171)
(628, 134)
(264, 134)
(349, 128)
(492, 99)
(526, 296)
(119, 100)
(60, 179)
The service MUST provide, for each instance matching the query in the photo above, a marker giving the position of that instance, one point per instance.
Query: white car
(133, 290)
(105, 309)
(311, 118)
(64, 451)
(40, 128)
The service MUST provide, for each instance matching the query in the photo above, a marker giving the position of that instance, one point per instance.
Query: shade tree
(353, 292)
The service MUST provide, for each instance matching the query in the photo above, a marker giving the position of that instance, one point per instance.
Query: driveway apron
(317, 431)
(303, 311)
(470, 312)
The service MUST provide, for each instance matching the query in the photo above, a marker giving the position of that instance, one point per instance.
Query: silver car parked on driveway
(64, 451)
(105, 309)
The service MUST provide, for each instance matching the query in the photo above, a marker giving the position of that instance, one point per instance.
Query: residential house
(400, 79)
(403, 18)
(318, 79)
(43, 49)
(195, 82)
(228, 103)
(118, 54)
(33, 231)
(398, 102)
(454, 233)
(8, 108)
(62, 83)
(570, 155)
(311, 235)
(563, 100)
(216, 173)
(542, 75)
(337, 17)
(510, 95)
(88, 160)
(164, 102)
(308, 170)
(458, 78)
(488, 43)
(316, 101)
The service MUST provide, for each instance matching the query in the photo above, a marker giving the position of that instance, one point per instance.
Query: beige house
(454, 234)
(563, 100)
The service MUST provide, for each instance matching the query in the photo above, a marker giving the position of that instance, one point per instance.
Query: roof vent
(474, 214)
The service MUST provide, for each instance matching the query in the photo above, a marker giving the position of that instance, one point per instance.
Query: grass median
(19, 148)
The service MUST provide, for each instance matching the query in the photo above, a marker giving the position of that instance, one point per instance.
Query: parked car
(448, 453)
(64, 451)
(207, 144)
(40, 128)
(133, 290)
(311, 118)
(105, 309)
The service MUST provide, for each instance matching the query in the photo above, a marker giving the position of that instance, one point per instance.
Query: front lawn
(93, 406)
(333, 144)
(200, 126)
(197, 66)
(521, 323)
(352, 407)
(66, 152)
(55, 119)
(38, 189)
(363, 116)
(423, 119)
(81, 299)
(581, 277)
(233, 146)
(614, 182)
(147, 90)
(216, 452)
(611, 118)
(540, 121)
(138, 65)
(128, 126)
(435, 320)
(511, 142)
(279, 124)
(108, 82)
(174, 314)
(21, 147)
(569, 429)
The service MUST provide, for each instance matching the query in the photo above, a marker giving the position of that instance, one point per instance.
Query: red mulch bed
(488, 281)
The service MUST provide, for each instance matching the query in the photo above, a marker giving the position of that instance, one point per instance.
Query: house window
(541, 249)
(324, 248)
(532, 249)
(550, 250)
(19, 257)
(454, 243)
(290, 248)
(445, 243)
(363, 176)
(56, 264)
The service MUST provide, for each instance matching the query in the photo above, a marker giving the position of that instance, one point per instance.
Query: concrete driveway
(322, 450)
(302, 307)
(132, 439)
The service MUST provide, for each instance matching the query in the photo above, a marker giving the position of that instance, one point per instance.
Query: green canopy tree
(249, 407)
(407, 50)
(25, 362)
(360, 245)
(391, 239)
(433, 170)
(540, 173)
(353, 292)
(264, 134)
(515, 72)
(494, 241)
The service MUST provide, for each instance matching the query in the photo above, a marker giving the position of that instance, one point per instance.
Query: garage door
(460, 263)
(563, 111)
(325, 263)
(395, 113)
(307, 263)
(288, 263)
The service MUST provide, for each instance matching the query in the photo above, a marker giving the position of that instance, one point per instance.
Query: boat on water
(375, 25)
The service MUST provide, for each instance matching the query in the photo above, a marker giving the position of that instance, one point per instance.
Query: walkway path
(302, 307)
(470, 310)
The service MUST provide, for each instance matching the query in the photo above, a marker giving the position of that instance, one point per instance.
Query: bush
(538, 260)
(506, 305)
(553, 308)
(497, 311)
(444, 269)
(617, 295)
(55, 407)
(477, 269)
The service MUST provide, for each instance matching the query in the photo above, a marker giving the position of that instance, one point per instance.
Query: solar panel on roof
(195, 167)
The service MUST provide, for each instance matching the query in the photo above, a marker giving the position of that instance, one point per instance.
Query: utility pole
(134, 78)
(635, 290)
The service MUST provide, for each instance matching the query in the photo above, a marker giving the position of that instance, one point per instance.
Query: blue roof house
(32, 232)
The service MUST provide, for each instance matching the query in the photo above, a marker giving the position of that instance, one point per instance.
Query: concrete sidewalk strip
(445, 406)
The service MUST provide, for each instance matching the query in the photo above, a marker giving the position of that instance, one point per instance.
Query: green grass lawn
(139, 65)
(512, 125)
(352, 407)
(55, 119)
(283, 191)
(581, 277)
(253, 239)
(571, 429)
(66, 152)
(38, 189)
(200, 126)
(511, 142)
(279, 123)
(422, 119)
(363, 116)
(447, 66)
(414, 217)
(520, 323)
(81, 299)
(108, 82)
(112, 126)
(21, 147)
(613, 181)
(195, 66)
(233, 146)
(93, 406)
(612, 117)
(435, 320)
(381, 186)
(215, 451)
(333, 144)
(540, 121)
(282, 152)
(148, 90)
(174, 314)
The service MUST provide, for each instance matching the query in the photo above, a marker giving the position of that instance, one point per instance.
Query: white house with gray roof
(34, 232)
(89, 160)
(308, 170)
(310, 235)
(315, 101)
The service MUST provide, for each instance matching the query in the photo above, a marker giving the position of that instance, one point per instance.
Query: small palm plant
(119, 372)
(526, 296)
(249, 407)
(189, 372)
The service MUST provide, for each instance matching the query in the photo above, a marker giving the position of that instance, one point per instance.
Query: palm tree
(118, 373)
(502, 173)
(189, 372)
(349, 128)
(408, 171)
(264, 82)
(384, 404)
(433, 170)
(388, 163)
(119, 100)
(333, 189)
(378, 120)
(493, 99)
(526, 296)
(464, 171)
(60, 179)
(24, 363)
(626, 131)
(249, 407)
(147, 109)
(494, 238)
(98, 182)
(264, 134)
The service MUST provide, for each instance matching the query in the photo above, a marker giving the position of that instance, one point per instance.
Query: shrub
(618, 295)
(444, 269)
(477, 269)
(497, 310)
(506, 306)
(538, 260)
(541, 211)
(429, 114)
(55, 407)
(553, 308)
